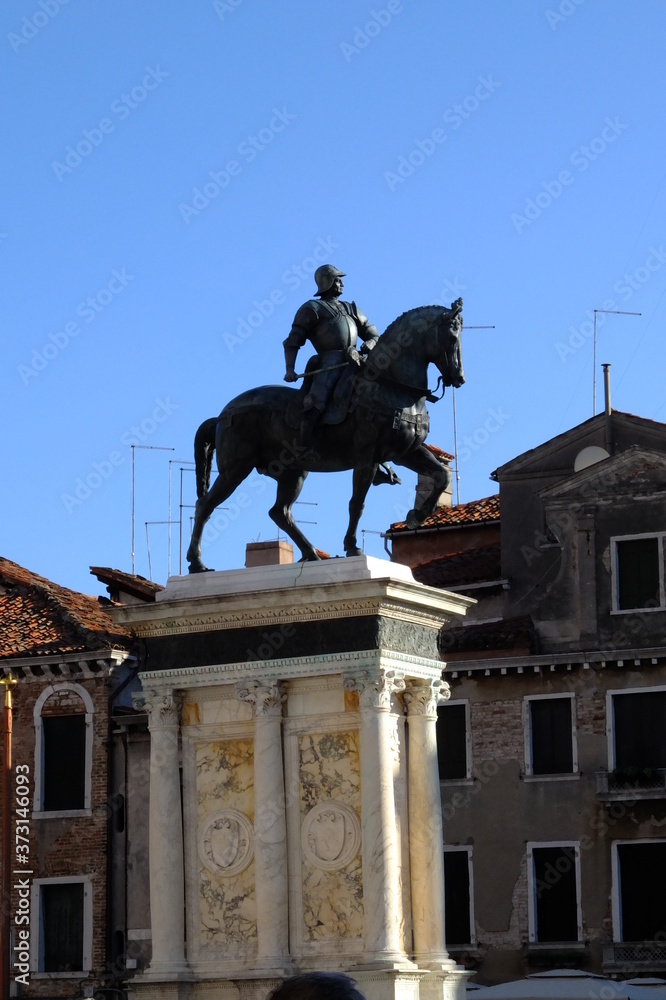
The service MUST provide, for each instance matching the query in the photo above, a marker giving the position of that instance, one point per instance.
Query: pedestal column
(381, 889)
(270, 829)
(165, 836)
(426, 857)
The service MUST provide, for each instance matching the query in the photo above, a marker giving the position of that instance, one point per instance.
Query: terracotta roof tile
(117, 580)
(40, 618)
(440, 453)
(455, 570)
(474, 512)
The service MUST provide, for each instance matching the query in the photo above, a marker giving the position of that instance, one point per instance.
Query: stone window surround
(531, 888)
(615, 880)
(468, 779)
(38, 811)
(36, 941)
(661, 538)
(469, 850)
(527, 731)
(610, 715)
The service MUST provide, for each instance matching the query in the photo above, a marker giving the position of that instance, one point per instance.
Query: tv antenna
(618, 312)
(146, 447)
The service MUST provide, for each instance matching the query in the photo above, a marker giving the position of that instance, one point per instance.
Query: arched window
(63, 717)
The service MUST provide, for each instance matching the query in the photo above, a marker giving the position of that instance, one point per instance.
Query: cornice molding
(291, 668)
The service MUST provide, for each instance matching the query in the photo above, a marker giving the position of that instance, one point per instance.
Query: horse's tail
(204, 449)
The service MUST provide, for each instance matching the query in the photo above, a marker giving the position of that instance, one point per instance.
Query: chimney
(424, 483)
(275, 553)
(607, 410)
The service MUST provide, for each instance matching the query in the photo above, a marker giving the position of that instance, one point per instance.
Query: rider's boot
(309, 425)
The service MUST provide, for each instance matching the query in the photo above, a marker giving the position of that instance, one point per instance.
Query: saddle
(340, 403)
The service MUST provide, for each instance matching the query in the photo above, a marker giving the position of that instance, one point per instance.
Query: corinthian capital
(267, 697)
(422, 697)
(375, 687)
(162, 707)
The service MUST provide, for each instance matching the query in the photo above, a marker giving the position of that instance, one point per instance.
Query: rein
(422, 390)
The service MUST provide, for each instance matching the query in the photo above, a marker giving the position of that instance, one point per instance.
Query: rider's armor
(333, 328)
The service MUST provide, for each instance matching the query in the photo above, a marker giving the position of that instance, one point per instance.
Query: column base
(437, 962)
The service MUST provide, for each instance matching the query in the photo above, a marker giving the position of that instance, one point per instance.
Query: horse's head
(446, 352)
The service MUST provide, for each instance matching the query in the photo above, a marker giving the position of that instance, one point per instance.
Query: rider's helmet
(324, 277)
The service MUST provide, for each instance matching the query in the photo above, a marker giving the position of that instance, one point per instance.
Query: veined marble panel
(330, 806)
(225, 813)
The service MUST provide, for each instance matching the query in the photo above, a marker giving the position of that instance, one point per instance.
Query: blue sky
(172, 170)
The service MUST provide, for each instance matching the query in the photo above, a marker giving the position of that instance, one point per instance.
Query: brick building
(73, 668)
(553, 743)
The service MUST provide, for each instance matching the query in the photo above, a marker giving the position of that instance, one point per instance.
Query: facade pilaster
(270, 829)
(381, 889)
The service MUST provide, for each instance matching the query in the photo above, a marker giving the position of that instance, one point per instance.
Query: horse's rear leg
(423, 461)
(289, 486)
(223, 487)
(362, 481)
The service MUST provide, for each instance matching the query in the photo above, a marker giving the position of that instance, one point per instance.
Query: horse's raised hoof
(415, 519)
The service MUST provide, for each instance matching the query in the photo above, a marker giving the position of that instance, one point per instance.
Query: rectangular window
(639, 573)
(550, 743)
(452, 750)
(62, 913)
(640, 891)
(64, 762)
(458, 919)
(554, 901)
(639, 730)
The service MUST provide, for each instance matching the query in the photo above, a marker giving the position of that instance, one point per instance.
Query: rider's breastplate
(334, 333)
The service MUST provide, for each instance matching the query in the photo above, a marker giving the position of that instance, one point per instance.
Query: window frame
(468, 850)
(616, 909)
(527, 731)
(468, 740)
(37, 939)
(39, 771)
(610, 716)
(533, 845)
(660, 537)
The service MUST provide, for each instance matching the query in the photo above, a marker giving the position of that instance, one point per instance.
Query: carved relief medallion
(331, 835)
(226, 842)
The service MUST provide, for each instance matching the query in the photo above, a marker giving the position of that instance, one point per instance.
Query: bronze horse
(387, 421)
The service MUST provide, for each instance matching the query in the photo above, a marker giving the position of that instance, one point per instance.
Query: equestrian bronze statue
(376, 414)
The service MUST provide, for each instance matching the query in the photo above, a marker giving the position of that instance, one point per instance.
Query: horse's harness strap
(422, 390)
(401, 417)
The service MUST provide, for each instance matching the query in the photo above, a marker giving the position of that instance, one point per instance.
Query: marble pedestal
(307, 837)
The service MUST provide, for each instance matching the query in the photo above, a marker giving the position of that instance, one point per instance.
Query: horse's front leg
(424, 462)
(362, 481)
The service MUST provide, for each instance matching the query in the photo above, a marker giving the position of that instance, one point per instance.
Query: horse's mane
(406, 319)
